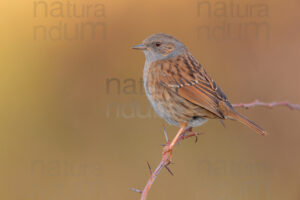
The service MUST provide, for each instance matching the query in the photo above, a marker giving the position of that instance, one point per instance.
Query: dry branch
(257, 103)
(166, 158)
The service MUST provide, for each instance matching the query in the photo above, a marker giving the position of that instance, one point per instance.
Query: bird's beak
(140, 47)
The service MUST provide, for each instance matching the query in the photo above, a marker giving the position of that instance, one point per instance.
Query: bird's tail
(244, 120)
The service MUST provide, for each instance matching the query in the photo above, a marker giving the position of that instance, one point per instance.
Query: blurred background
(75, 123)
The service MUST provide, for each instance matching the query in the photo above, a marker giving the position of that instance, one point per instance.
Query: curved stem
(166, 157)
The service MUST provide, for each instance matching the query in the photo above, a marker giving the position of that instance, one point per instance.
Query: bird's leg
(169, 147)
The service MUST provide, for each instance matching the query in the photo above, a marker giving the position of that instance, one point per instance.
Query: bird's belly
(162, 107)
(173, 108)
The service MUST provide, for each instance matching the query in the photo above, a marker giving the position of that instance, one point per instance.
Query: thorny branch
(268, 105)
(166, 158)
(164, 163)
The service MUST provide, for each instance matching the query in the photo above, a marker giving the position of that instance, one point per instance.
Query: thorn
(166, 134)
(136, 190)
(169, 170)
(222, 122)
(149, 168)
(196, 137)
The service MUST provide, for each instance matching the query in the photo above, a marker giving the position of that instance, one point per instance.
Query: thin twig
(165, 160)
(268, 105)
(162, 164)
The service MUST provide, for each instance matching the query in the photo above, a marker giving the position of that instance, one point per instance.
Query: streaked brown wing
(185, 76)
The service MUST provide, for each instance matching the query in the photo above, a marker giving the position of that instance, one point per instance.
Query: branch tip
(268, 105)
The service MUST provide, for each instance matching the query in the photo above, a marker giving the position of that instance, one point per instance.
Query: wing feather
(189, 80)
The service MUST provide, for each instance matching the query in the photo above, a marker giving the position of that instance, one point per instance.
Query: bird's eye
(157, 44)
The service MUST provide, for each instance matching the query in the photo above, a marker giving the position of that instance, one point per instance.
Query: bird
(180, 90)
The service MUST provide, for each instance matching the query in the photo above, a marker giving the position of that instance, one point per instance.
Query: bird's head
(161, 46)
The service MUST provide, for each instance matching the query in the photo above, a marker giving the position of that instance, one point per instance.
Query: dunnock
(180, 90)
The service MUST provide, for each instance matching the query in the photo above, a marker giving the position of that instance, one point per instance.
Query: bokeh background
(75, 123)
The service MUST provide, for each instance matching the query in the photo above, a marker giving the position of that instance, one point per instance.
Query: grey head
(161, 46)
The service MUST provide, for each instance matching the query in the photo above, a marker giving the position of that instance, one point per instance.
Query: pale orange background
(54, 102)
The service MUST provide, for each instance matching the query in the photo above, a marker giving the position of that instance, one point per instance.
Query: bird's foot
(167, 151)
(191, 134)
